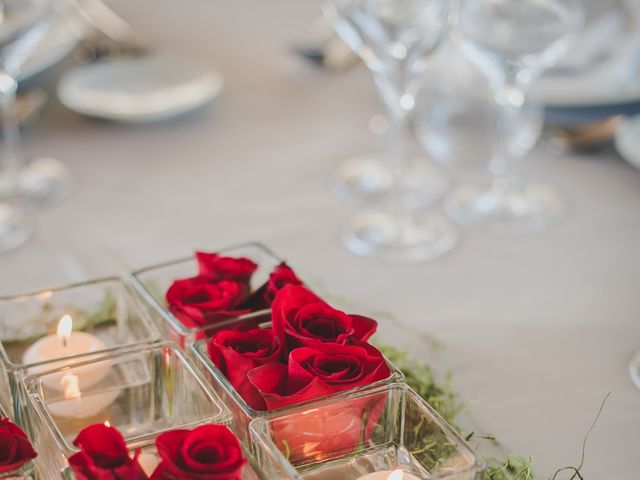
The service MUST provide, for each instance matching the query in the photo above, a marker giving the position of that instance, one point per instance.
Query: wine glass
(634, 369)
(395, 39)
(23, 24)
(512, 42)
(369, 176)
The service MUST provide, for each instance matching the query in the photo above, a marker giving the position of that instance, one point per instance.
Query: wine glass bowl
(391, 37)
(530, 34)
(512, 42)
(395, 38)
(23, 25)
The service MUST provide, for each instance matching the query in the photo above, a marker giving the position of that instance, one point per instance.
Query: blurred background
(469, 166)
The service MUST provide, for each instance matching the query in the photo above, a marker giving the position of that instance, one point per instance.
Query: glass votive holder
(67, 323)
(27, 471)
(153, 282)
(369, 435)
(141, 391)
(241, 411)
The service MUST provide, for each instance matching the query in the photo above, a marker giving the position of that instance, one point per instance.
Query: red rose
(209, 452)
(281, 276)
(303, 319)
(15, 448)
(235, 352)
(217, 267)
(104, 456)
(314, 372)
(197, 302)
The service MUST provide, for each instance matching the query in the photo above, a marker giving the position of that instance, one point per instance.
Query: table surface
(537, 328)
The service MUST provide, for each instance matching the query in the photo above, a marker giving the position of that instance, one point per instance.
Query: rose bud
(197, 302)
(209, 452)
(104, 455)
(280, 277)
(314, 372)
(235, 352)
(301, 318)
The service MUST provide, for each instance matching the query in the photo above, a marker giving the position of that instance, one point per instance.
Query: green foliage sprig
(420, 377)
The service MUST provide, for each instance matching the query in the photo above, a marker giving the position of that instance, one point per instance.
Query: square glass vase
(141, 391)
(367, 435)
(152, 283)
(241, 411)
(105, 315)
(26, 471)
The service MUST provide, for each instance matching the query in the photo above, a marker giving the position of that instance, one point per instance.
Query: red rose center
(336, 368)
(198, 297)
(249, 346)
(205, 454)
(327, 329)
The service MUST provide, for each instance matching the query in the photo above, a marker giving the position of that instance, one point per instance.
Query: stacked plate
(600, 76)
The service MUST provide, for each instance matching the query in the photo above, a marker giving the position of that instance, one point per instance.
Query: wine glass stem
(11, 160)
(511, 98)
(400, 157)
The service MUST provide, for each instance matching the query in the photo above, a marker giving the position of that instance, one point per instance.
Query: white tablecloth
(537, 328)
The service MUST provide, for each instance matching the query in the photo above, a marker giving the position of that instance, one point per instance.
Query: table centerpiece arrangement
(234, 345)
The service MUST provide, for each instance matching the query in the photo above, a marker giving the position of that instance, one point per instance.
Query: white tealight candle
(148, 462)
(76, 405)
(389, 475)
(66, 343)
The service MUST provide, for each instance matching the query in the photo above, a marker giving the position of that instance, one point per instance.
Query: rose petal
(301, 318)
(363, 327)
(209, 451)
(228, 268)
(271, 382)
(15, 448)
(240, 351)
(105, 445)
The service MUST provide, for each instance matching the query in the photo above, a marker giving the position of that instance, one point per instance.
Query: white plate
(627, 141)
(611, 80)
(139, 89)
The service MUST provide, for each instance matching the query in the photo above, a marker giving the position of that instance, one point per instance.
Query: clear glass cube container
(28, 471)
(242, 412)
(107, 311)
(149, 459)
(142, 391)
(367, 435)
(153, 282)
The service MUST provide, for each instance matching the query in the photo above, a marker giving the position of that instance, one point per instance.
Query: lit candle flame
(71, 386)
(396, 475)
(65, 325)
(107, 423)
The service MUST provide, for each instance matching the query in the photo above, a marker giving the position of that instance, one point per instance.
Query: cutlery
(323, 47)
(590, 136)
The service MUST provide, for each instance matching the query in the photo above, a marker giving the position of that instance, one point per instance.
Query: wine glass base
(410, 237)
(362, 177)
(528, 209)
(15, 227)
(46, 181)
(370, 177)
(634, 369)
